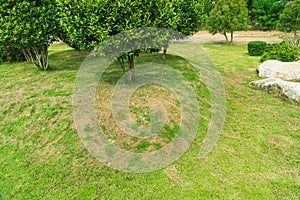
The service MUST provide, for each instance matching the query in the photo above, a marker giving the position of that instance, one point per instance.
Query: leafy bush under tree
(256, 48)
(11, 54)
(280, 51)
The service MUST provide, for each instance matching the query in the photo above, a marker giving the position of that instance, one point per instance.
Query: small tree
(290, 18)
(30, 26)
(228, 16)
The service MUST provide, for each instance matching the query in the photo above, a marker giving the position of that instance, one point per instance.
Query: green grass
(41, 156)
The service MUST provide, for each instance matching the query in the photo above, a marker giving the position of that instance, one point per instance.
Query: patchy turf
(41, 156)
(140, 105)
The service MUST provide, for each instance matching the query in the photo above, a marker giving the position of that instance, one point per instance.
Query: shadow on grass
(69, 59)
(66, 60)
(113, 72)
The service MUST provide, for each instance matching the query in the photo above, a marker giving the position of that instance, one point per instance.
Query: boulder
(290, 90)
(288, 71)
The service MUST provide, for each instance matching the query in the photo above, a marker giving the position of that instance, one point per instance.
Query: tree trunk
(76, 48)
(164, 53)
(131, 66)
(27, 55)
(231, 37)
(41, 57)
(37, 55)
(226, 37)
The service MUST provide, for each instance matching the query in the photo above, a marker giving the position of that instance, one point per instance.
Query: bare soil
(240, 37)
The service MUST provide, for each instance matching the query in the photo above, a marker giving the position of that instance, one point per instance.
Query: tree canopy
(87, 23)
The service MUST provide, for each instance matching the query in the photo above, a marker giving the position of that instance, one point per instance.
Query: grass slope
(41, 156)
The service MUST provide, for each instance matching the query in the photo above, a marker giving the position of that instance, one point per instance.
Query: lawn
(41, 155)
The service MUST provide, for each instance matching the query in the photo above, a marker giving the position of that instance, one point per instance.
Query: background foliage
(290, 18)
(11, 54)
(266, 13)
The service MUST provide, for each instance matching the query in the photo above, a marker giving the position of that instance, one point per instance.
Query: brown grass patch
(140, 103)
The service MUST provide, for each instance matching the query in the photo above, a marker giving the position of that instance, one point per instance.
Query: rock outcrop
(282, 78)
(290, 90)
(288, 71)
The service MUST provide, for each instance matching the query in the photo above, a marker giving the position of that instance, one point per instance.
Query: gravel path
(240, 37)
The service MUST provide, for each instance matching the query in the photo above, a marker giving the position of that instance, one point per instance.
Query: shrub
(256, 48)
(11, 54)
(291, 39)
(280, 51)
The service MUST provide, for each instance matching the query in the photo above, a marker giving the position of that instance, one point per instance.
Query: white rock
(291, 90)
(288, 71)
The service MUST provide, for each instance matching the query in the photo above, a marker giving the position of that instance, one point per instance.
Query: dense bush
(11, 54)
(256, 48)
(265, 13)
(280, 51)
